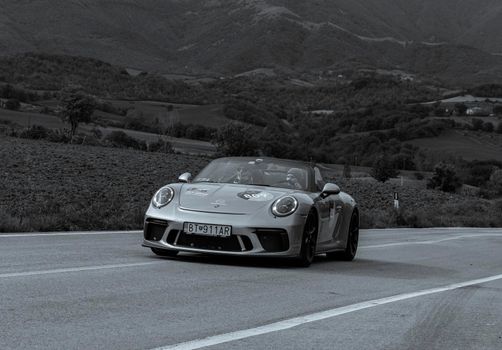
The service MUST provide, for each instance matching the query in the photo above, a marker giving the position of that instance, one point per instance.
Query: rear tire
(309, 241)
(352, 241)
(164, 252)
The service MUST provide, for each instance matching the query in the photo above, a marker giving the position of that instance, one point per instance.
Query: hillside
(228, 37)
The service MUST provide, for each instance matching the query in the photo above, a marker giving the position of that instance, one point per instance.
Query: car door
(330, 209)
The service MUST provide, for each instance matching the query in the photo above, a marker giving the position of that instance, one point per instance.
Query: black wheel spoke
(308, 248)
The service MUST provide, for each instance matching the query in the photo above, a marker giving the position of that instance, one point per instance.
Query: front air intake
(154, 229)
(273, 240)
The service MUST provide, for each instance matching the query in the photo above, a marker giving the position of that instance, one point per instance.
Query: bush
(35, 132)
(122, 140)
(444, 178)
(13, 104)
(347, 171)
(495, 183)
(477, 124)
(58, 135)
(160, 146)
(236, 140)
(419, 175)
(488, 127)
(383, 169)
(90, 140)
(477, 173)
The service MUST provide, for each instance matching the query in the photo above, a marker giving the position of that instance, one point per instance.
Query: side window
(319, 181)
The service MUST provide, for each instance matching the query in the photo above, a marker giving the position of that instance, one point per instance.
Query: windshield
(275, 173)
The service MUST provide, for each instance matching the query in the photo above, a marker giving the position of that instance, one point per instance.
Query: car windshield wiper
(260, 185)
(206, 181)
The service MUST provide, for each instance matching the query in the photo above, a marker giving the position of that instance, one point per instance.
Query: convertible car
(246, 206)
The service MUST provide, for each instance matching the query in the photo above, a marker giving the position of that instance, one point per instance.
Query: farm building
(477, 111)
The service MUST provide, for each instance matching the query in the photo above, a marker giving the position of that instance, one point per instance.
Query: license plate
(207, 230)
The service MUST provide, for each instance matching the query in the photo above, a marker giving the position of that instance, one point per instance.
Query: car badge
(219, 202)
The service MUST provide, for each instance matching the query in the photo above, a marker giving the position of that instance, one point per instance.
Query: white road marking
(432, 241)
(74, 233)
(75, 269)
(318, 316)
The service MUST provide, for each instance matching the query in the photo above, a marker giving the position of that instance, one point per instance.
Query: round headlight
(162, 197)
(284, 206)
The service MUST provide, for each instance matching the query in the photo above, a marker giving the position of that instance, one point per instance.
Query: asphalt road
(407, 289)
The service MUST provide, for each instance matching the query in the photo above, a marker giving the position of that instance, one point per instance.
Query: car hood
(228, 198)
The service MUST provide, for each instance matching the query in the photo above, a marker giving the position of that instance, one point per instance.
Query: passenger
(295, 178)
(243, 175)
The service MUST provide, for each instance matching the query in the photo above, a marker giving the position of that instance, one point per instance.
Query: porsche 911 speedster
(246, 206)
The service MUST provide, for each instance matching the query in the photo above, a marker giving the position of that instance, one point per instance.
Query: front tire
(309, 241)
(164, 252)
(352, 241)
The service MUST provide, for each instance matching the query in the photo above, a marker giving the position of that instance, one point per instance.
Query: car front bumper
(252, 235)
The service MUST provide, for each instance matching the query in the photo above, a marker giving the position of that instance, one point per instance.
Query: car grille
(154, 229)
(229, 244)
(273, 240)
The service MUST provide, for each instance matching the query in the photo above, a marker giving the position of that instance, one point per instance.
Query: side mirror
(185, 177)
(330, 189)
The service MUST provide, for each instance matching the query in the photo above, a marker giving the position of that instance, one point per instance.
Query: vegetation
(495, 183)
(444, 178)
(76, 109)
(369, 120)
(56, 186)
(383, 170)
(236, 140)
(122, 140)
(8, 91)
(117, 139)
(191, 131)
(486, 90)
(39, 194)
(39, 71)
(12, 104)
(347, 171)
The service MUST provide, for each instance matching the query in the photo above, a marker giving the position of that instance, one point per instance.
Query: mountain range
(444, 38)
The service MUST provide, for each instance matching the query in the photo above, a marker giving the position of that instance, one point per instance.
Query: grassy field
(470, 145)
(28, 119)
(52, 122)
(210, 115)
(206, 115)
(51, 186)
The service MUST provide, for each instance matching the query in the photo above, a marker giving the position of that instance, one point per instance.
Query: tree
(76, 109)
(347, 171)
(444, 178)
(383, 169)
(235, 139)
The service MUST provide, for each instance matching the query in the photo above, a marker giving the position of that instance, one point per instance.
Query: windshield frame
(270, 172)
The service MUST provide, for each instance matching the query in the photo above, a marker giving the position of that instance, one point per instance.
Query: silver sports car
(253, 207)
